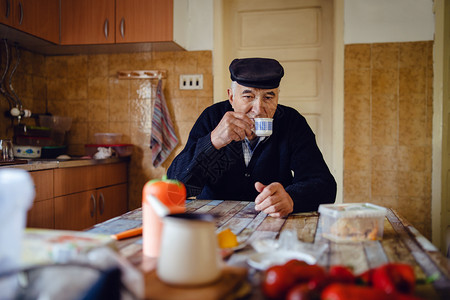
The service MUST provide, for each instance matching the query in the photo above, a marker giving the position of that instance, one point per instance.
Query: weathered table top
(401, 242)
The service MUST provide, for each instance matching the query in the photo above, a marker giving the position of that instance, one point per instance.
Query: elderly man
(224, 159)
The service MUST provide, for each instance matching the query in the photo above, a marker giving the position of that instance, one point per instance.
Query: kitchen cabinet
(5, 12)
(110, 202)
(87, 22)
(112, 26)
(36, 17)
(78, 197)
(41, 213)
(87, 195)
(144, 21)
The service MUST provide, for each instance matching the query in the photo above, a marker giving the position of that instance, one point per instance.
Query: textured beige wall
(387, 128)
(86, 88)
(29, 82)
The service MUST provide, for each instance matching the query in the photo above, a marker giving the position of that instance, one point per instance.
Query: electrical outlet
(191, 82)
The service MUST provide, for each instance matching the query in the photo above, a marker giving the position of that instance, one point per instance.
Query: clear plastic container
(32, 141)
(352, 222)
(59, 123)
(108, 138)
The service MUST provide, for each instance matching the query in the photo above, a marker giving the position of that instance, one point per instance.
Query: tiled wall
(29, 83)
(86, 88)
(388, 127)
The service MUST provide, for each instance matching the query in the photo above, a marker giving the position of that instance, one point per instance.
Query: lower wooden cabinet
(84, 209)
(110, 202)
(41, 213)
(77, 198)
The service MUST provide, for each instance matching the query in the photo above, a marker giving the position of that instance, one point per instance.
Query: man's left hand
(273, 200)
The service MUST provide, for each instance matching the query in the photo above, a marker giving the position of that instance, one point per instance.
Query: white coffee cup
(263, 126)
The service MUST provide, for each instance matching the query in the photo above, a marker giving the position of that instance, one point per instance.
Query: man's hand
(273, 200)
(234, 126)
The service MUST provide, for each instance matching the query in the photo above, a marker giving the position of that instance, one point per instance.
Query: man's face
(254, 102)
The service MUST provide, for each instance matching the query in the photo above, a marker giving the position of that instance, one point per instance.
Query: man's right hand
(234, 126)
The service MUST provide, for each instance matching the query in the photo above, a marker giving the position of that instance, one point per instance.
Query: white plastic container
(16, 197)
(27, 151)
(352, 222)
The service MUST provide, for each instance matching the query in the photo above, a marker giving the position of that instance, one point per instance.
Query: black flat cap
(262, 73)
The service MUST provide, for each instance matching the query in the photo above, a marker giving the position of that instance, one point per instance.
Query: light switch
(191, 82)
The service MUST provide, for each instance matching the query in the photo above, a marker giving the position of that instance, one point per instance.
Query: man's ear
(230, 96)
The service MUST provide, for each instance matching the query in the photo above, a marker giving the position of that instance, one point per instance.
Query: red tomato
(300, 292)
(317, 284)
(277, 281)
(394, 277)
(295, 263)
(341, 274)
(305, 273)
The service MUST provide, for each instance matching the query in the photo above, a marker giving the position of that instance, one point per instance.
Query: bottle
(159, 198)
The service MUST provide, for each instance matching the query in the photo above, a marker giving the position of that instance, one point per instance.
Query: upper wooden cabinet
(87, 22)
(37, 17)
(6, 12)
(144, 21)
(128, 24)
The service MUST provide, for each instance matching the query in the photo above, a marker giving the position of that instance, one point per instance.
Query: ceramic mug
(6, 150)
(188, 254)
(263, 126)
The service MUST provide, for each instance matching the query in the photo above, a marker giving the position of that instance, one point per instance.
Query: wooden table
(401, 242)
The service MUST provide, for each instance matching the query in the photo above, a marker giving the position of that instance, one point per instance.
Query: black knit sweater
(289, 156)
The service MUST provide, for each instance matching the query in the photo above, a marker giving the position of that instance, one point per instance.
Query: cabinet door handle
(122, 27)
(21, 13)
(8, 8)
(106, 28)
(102, 203)
(93, 206)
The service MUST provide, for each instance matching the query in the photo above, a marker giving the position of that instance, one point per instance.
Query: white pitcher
(189, 253)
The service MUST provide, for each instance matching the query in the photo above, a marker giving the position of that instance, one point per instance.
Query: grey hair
(233, 87)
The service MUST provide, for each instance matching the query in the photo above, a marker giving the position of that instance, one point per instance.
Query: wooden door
(6, 12)
(111, 202)
(38, 17)
(76, 211)
(109, 174)
(144, 21)
(441, 214)
(43, 184)
(41, 213)
(87, 22)
(72, 180)
(298, 33)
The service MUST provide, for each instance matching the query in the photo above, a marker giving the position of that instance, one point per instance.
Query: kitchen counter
(44, 164)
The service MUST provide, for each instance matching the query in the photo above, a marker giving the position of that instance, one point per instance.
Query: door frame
(439, 190)
(220, 75)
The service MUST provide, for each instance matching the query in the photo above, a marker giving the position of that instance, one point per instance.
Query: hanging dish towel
(163, 139)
